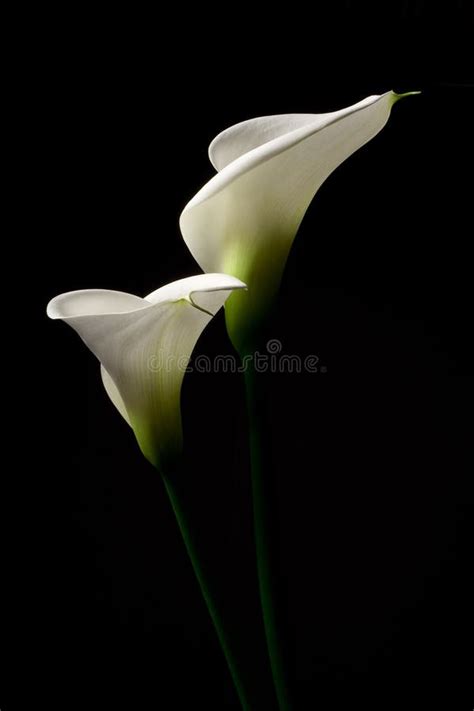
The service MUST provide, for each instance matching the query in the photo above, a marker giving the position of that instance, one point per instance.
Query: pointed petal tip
(200, 283)
(233, 282)
(217, 281)
(396, 97)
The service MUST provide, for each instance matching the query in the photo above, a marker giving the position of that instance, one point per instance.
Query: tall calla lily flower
(244, 220)
(143, 346)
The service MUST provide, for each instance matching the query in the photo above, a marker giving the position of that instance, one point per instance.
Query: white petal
(144, 351)
(205, 290)
(243, 221)
(263, 194)
(86, 302)
(113, 393)
(247, 135)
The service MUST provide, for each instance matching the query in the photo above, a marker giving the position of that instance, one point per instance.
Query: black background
(373, 458)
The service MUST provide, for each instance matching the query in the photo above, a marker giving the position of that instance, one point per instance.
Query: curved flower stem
(223, 635)
(262, 491)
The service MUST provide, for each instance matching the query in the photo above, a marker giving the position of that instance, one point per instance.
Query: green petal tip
(396, 97)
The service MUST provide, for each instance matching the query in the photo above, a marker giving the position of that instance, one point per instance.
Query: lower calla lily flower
(144, 346)
(244, 220)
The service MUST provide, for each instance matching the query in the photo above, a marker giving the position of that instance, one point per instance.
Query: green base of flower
(247, 311)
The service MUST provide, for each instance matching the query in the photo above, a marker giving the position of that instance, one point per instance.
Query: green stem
(222, 634)
(263, 491)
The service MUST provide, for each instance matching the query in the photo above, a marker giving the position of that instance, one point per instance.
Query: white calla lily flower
(244, 220)
(144, 346)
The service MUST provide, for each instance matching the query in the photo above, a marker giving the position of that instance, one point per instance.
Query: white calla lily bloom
(244, 220)
(144, 346)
